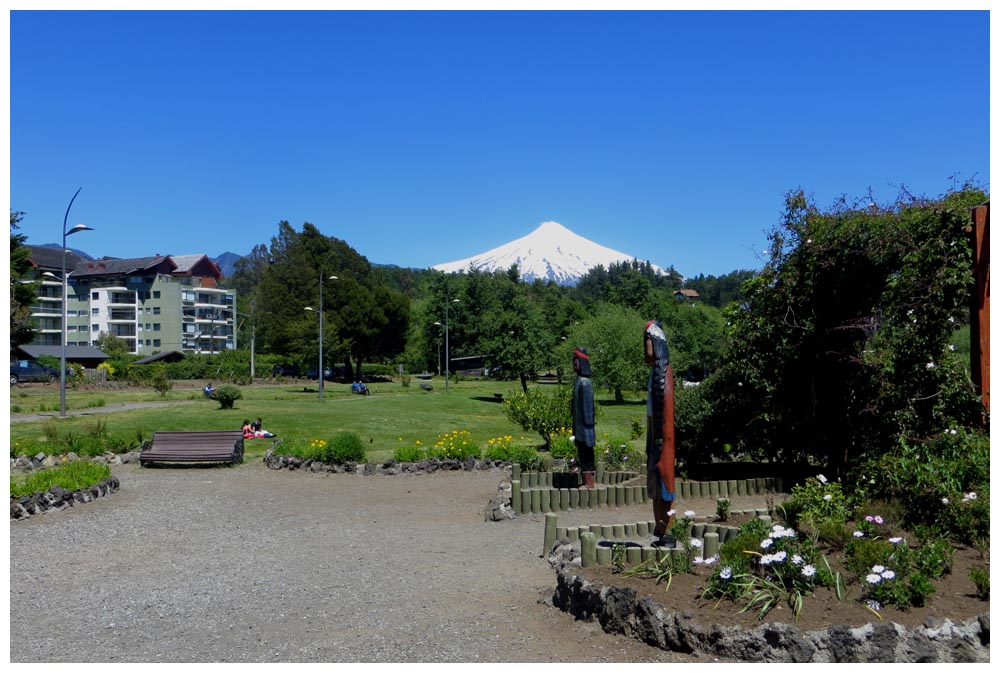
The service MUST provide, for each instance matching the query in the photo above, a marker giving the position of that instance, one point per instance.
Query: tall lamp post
(320, 371)
(447, 357)
(62, 349)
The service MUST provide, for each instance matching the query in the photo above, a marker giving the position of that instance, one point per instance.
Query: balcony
(122, 331)
(121, 299)
(121, 315)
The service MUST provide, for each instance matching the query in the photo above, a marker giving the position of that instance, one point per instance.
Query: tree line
(396, 316)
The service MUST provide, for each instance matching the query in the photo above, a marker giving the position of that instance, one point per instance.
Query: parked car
(26, 370)
(291, 371)
(329, 373)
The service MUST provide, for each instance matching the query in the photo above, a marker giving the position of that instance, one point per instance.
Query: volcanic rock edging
(620, 611)
(57, 498)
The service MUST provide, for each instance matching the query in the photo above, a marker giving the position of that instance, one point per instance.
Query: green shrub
(816, 501)
(344, 447)
(617, 454)
(942, 483)
(527, 457)
(981, 578)
(72, 476)
(227, 395)
(541, 412)
(562, 446)
(638, 427)
(893, 573)
(409, 454)
(160, 382)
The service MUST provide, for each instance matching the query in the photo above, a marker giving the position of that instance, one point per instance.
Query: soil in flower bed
(954, 598)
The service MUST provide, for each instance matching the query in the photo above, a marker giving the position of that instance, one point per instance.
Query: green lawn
(391, 417)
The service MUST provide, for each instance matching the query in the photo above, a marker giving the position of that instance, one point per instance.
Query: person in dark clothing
(660, 431)
(583, 416)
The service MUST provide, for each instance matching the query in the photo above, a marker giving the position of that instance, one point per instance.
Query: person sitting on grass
(259, 432)
(248, 432)
(209, 390)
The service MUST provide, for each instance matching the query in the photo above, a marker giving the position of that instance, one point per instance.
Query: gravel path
(248, 564)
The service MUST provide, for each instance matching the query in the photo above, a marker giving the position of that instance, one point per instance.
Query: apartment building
(155, 304)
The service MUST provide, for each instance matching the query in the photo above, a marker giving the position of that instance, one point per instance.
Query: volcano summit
(550, 252)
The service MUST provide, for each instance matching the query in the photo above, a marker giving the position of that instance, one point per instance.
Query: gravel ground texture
(247, 564)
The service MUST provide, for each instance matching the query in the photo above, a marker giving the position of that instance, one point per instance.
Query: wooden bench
(216, 446)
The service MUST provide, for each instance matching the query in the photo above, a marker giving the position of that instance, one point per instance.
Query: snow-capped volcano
(550, 252)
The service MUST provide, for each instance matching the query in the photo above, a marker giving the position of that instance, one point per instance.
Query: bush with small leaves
(227, 395)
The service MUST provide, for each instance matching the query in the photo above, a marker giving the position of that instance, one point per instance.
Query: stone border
(389, 467)
(619, 611)
(58, 498)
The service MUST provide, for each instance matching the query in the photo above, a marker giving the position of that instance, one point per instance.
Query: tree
(22, 295)
(363, 319)
(613, 339)
(514, 335)
(115, 347)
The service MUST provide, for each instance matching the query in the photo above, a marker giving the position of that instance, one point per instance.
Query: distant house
(687, 295)
(88, 356)
(167, 357)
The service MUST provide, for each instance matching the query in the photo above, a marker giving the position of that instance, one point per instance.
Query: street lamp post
(447, 358)
(320, 372)
(65, 299)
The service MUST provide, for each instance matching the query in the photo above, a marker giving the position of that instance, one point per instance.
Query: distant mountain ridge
(550, 252)
(226, 261)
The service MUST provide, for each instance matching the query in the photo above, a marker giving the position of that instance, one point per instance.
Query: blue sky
(426, 137)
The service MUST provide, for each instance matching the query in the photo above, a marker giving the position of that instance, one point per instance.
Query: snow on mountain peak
(550, 252)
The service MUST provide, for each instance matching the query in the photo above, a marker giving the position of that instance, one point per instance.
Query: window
(94, 328)
(156, 310)
(156, 343)
(95, 311)
(156, 294)
(95, 295)
(156, 327)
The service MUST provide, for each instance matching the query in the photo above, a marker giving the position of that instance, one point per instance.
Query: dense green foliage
(540, 411)
(72, 476)
(364, 319)
(22, 295)
(843, 346)
(720, 291)
(227, 395)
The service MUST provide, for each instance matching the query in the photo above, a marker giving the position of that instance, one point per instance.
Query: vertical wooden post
(980, 319)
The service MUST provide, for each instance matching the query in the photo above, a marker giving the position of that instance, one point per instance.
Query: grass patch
(394, 416)
(72, 476)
